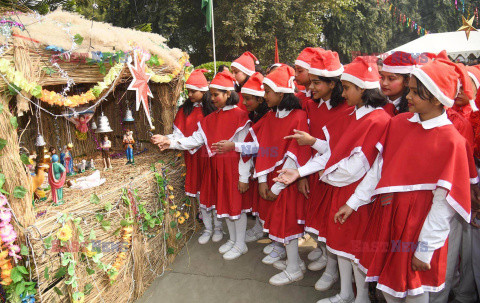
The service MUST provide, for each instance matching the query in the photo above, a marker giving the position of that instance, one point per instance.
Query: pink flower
(5, 215)
(3, 200)
(7, 234)
(14, 255)
(15, 248)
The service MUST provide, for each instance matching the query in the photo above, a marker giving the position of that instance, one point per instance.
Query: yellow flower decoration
(181, 220)
(173, 207)
(184, 174)
(177, 214)
(171, 197)
(170, 187)
(186, 216)
(179, 155)
(64, 234)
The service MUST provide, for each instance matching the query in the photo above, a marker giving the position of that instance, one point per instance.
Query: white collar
(327, 103)
(197, 104)
(364, 110)
(282, 113)
(441, 120)
(228, 107)
(396, 102)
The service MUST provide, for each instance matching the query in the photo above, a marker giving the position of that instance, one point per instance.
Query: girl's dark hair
(336, 98)
(233, 99)
(207, 106)
(423, 92)
(51, 149)
(403, 106)
(221, 68)
(374, 97)
(238, 87)
(289, 102)
(261, 110)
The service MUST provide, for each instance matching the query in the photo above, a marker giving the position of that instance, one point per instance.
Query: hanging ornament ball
(40, 141)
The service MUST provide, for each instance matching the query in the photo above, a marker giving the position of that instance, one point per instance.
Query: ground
(199, 274)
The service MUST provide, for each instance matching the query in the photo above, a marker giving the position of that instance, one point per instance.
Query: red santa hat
(281, 80)
(474, 73)
(254, 86)
(443, 79)
(305, 57)
(246, 63)
(399, 63)
(223, 81)
(363, 72)
(326, 64)
(197, 80)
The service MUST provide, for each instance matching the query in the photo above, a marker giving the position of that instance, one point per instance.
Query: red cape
(54, 183)
(188, 125)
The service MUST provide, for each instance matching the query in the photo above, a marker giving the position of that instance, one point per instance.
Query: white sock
(257, 228)
(231, 229)
(332, 264)
(362, 286)
(207, 218)
(216, 221)
(240, 229)
(345, 267)
(293, 258)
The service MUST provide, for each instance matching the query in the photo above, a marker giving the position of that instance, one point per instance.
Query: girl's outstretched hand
(343, 213)
(223, 146)
(157, 139)
(287, 176)
(303, 138)
(418, 265)
(303, 187)
(242, 187)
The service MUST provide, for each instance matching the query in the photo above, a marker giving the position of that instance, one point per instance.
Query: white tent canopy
(455, 43)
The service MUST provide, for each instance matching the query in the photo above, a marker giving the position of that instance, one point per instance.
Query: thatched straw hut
(49, 65)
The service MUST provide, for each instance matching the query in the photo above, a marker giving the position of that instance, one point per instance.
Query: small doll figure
(69, 160)
(52, 150)
(56, 179)
(105, 146)
(80, 121)
(128, 142)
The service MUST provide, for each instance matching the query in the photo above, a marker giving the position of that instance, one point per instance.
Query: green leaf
(108, 206)
(106, 225)
(12, 89)
(19, 192)
(48, 242)
(179, 235)
(123, 223)
(49, 71)
(22, 269)
(25, 159)
(90, 271)
(94, 199)
(3, 143)
(103, 69)
(15, 275)
(45, 273)
(170, 251)
(99, 217)
(20, 288)
(92, 235)
(165, 236)
(24, 250)
(60, 273)
(88, 289)
(117, 231)
(58, 291)
(173, 224)
(14, 122)
(1, 108)
(71, 269)
(78, 39)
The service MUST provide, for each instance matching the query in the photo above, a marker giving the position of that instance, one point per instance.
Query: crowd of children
(375, 160)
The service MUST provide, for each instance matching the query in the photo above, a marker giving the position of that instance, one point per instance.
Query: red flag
(277, 60)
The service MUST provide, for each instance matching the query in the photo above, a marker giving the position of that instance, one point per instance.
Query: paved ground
(199, 274)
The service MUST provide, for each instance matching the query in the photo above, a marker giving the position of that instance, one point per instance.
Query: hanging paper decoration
(467, 26)
(80, 116)
(140, 84)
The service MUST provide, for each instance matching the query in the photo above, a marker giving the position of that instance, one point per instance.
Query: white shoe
(318, 264)
(205, 237)
(269, 248)
(285, 278)
(217, 235)
(277, 254)
(337, 299)
(252, 235)
(235, 252)
(326, 281)
(226, 247)
(282, 265)
(315, 254)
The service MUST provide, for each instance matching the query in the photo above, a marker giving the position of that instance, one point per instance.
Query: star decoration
(467, 26)
(140, 84)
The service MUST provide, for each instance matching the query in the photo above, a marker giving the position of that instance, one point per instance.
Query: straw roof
(53, 28)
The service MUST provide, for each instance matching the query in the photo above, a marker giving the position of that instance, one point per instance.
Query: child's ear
(229, 93)
(331, 85)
